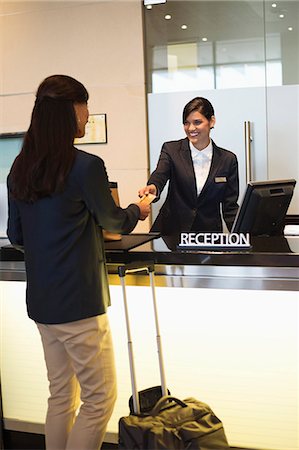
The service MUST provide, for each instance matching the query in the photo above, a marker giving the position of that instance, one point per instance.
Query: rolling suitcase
(157, 420)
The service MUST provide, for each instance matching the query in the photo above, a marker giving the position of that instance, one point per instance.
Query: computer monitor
(264, 207)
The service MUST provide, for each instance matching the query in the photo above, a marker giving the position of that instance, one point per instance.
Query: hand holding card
(147, 198)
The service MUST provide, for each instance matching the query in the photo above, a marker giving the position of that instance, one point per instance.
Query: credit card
(148, 198)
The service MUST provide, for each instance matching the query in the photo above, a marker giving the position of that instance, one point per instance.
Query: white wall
(99, 43)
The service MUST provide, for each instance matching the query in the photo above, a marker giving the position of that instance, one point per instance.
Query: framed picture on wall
(95, 130)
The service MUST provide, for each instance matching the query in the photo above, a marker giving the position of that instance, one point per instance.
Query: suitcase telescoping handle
(149, 267)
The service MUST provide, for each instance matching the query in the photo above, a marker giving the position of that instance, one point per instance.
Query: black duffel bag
(173, 424)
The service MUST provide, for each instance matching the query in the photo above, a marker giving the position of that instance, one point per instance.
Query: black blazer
(183, 209)
(63, 243)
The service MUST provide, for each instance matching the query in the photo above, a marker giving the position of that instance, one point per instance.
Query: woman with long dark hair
(59, 202)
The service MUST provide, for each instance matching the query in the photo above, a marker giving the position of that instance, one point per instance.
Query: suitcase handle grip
(138, 266)
(164, 401)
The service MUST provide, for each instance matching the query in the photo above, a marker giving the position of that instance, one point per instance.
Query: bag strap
(164, 401)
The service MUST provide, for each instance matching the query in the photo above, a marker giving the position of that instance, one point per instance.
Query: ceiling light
(184, 27)
(290, 28)
(167, 17)
(274, 5)
(149, 6)
(204, 39)
(281, 16)
(153, 2)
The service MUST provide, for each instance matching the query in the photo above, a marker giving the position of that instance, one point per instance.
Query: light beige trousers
(80, 364)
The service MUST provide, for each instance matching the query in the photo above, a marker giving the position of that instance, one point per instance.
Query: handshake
(147, 195)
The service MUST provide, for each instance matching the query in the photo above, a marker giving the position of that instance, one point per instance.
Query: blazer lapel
(213, 169)
(188, 167)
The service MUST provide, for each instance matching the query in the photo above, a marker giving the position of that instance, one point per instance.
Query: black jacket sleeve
(99, 201)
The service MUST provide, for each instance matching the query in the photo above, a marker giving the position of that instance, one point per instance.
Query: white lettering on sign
(192, 239)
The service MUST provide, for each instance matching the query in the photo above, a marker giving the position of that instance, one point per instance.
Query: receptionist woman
(203, 178)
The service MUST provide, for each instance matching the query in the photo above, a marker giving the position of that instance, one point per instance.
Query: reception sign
(214, 241)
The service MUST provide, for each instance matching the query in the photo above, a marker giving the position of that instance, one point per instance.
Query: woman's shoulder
(225, 152)
(176, 145)
(81, 155)
(86, 164)
(84, 159)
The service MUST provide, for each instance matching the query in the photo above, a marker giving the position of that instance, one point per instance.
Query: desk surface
(278, 251)
(271, 264)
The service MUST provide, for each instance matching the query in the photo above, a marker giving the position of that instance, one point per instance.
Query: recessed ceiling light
(290, 28)
(274, 5)
(167, 17)
(204, 39)
(184, 27)
(153, 2)
(281, 16)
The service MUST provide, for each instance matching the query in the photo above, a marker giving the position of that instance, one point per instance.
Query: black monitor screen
(264, 207)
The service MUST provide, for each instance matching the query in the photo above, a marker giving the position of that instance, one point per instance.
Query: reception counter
(229, 325)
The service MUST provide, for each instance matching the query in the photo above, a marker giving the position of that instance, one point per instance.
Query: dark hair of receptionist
(48, 152)
(200, 104)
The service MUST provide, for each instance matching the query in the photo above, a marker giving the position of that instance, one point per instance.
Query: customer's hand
(150, 189)
(145, 209)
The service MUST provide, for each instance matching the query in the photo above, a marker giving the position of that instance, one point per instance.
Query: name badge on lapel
(220, 180)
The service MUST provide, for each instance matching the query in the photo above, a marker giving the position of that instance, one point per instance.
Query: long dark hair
(200, 104)
(48, 153)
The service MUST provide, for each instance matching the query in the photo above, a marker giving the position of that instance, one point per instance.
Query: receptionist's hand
(150, 189)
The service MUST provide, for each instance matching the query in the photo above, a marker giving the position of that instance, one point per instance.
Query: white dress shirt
(201, 163)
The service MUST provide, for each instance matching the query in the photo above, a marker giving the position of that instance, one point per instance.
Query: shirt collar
(207, 151)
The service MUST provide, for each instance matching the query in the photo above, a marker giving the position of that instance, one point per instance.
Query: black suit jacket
(183, 209)
(63, 243)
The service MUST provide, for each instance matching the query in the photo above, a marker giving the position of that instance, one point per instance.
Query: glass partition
(220, 44)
